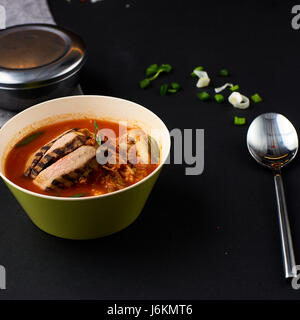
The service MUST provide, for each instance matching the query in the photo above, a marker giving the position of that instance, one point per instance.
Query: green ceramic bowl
(88, 217)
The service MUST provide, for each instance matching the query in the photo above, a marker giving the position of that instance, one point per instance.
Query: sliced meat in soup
(36, 157)
(68, 170)
(56, 149)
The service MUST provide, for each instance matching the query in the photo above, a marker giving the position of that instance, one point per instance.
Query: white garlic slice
(204, 80)
(238, 100)
(217, 90)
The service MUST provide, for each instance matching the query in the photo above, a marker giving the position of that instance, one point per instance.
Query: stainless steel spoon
(273, 142)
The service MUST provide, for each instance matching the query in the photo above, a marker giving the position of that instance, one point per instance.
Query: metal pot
(38, 62)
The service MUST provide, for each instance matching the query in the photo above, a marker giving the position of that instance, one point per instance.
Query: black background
(213, 236)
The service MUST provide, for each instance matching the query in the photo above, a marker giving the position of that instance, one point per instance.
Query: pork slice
(68, 170)
(36, 157)
(61, 147)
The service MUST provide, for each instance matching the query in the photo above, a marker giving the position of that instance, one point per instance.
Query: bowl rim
(90, 197)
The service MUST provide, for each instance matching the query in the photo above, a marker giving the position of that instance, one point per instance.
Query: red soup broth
(17, 158)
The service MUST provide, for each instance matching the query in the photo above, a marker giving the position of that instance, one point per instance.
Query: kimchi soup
(62, 159)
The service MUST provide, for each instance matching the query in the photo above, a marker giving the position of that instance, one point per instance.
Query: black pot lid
(36, 55)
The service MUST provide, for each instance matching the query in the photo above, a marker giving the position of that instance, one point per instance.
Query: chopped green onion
(163, 89)
(175, 85)
(219, 98)
(235, 88)
(224, 73)
(256, 98)
(96, 133)
(239, 121)
(162, 68)
(29, 139)
(144, 83)
(165, 67)
(193, 74)
(154, 69)
(151, 69)
(203, 96)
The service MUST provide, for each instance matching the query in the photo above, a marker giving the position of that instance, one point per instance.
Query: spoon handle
(285, 232)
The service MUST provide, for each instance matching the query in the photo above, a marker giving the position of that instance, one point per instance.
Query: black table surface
(211, 236)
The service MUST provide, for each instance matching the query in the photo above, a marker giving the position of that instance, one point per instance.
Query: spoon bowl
(272, 141)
